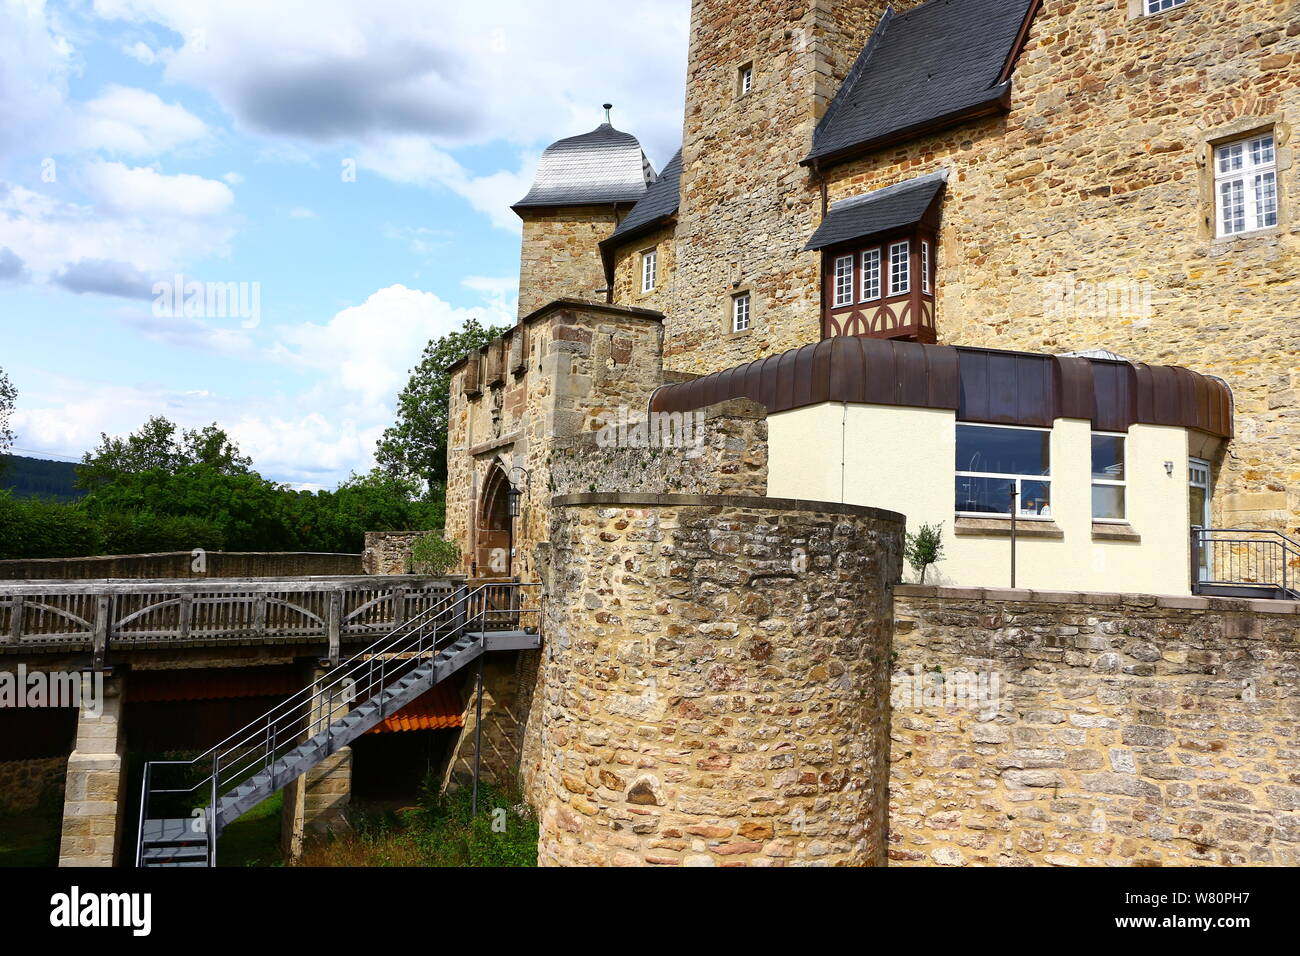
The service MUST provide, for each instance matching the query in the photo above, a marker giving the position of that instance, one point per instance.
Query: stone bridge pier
(714, 687)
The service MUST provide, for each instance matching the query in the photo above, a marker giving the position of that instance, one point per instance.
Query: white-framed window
(1108, 477)
(996, 463)
(925, 266)
(843, 280)
(900, 268)
(649, 269)
(1157, 6)
(745, 79)
(740, 312)
(870, 275)
(1245, 185)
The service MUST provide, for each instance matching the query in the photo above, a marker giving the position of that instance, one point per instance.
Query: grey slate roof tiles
(893, 207)
(920, 66)
(603, 166)
(659, 202)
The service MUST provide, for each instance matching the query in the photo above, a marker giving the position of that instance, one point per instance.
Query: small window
(1157, 6)
(745, 79)
(649, 270)
(740, 312)
(844, 280)
(1245, 185)
(995, 465)
(925, 267)
(1108, 478)
(870, 275)
(899, 268)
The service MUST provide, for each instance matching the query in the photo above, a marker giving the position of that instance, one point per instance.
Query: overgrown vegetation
(439, 832)
(433, 555)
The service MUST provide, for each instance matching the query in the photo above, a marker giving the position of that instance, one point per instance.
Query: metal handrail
(407, 646)
(1266, 561)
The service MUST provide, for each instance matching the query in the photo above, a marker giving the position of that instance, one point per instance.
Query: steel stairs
(320, 720)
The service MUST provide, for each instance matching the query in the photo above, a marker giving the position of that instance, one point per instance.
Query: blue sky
(350, 163)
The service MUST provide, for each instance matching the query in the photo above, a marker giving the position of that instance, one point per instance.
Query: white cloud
(143, 191)
(34, 63)
(155, 222)
(233, 178)
(404, 88)
(141, 52)
(302, 212)
(133, 122)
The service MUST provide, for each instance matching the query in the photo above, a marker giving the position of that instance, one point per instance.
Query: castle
(1021, 271)
(1107, 185)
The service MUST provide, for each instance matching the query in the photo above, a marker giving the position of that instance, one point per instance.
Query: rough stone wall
(747, 206)
(389, 552)
(578, 363)
(24, 784)
(1129, 731)
(1099, 180)
(627, 271)
(713, 682)
(508, 680)
(559, 255)
(730, 459)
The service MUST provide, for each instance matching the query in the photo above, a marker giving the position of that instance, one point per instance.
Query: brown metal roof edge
(863, 370)
(564, 302)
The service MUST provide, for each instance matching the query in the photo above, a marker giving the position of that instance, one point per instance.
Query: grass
(31, 837)
(438, 832)
(254, 839)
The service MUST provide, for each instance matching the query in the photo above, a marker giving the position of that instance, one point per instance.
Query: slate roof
(935, 63)
(902, 204)
(659, 202)
(603, 166)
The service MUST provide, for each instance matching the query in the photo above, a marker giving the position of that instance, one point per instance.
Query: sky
(342, 170)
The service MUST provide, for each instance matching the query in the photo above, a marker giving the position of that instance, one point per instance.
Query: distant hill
(27, 477)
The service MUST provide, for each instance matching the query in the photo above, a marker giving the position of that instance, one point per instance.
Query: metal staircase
(296, 735)
(1245, 562)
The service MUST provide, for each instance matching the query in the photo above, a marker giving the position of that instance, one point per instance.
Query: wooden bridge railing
(91, 615)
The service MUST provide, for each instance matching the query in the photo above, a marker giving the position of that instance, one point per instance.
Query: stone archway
(493, 528)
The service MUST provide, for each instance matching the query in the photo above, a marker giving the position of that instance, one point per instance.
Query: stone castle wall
(1083, 218)
(627, 271)
(559, 256)
(557, 376)
(1130, 730)
(712, 687)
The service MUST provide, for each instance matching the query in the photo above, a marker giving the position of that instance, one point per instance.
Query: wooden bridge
(91, 616)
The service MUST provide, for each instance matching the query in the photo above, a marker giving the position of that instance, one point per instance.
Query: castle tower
(759, 77)
(583, 187)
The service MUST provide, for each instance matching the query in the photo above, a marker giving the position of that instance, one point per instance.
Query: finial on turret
(608, 107)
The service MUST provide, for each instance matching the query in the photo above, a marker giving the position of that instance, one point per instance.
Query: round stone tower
(583, 187)
(714, 689)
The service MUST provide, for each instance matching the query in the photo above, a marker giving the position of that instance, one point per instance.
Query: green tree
(158, 446)
(416, 444)
(8, 398)
(924, 548)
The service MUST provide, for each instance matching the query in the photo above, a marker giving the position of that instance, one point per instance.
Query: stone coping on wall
(1027, 596)
(758, 502)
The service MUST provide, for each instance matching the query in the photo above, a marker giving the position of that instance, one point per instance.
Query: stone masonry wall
(1129, 730)
(389, 552)
(628, 277)
(730, 459)
(25, 784)
(1084, 217)
(559, 255)
(712, 688)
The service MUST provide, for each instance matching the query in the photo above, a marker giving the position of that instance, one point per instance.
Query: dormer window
(878, 262)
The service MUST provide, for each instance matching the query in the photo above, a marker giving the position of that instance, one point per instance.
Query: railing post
(399, 606)
(1195, 551)
(335, 626)
(16, 604)
(99, 639)
(184, 616)
(458, 609)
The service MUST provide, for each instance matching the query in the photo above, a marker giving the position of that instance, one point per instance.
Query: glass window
(745, 80)
(649, 270)
(843, 280)
(740, 312)
(995, 464)
(1245, 174)
(925, 267)
(899, 268)
(1155, 6)
(1108, 478)
(870, 275)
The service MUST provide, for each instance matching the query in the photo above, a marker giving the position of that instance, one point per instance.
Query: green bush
(433, 555)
